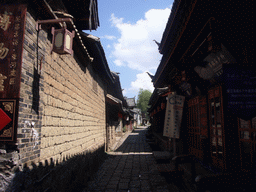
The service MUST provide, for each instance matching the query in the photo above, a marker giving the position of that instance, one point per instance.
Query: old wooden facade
(208, 58)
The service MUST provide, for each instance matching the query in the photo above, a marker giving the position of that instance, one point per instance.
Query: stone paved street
(131, 167)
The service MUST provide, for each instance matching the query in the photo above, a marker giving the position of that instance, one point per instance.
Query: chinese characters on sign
(12, 26)
(4, 21)
(240, 89)
(213, 69)
(173, 116)
(12, 23)
(3, 51)
(14, 56)
(2, 78)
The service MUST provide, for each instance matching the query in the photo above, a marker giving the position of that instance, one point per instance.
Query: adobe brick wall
(68, 115)
(111, 136)
(31, 89)
(73, 114)
(61, 122)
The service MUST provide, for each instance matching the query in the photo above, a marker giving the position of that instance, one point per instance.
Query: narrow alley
(79, 80)
(131, 167)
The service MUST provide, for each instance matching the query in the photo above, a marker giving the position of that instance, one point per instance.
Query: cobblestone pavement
(131, 167)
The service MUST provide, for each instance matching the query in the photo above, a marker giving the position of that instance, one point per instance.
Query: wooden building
(208, 57)
(116, 113)
(131, 104)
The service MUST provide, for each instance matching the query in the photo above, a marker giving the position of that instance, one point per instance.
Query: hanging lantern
(62, 41)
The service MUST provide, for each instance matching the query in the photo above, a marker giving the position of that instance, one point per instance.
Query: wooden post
(174, 146)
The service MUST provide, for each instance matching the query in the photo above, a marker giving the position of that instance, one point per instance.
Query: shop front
(207, 60)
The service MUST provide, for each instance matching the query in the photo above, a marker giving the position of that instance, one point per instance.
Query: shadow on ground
(131, 167)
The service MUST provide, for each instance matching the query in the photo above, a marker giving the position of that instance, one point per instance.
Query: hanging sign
(173, 115)
(12, 24)
(213, 70)
(240, 89)
(12, 27)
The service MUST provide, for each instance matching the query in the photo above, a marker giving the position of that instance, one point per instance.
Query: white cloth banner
(173, 115)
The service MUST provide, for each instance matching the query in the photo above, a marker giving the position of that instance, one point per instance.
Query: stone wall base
(70, 175)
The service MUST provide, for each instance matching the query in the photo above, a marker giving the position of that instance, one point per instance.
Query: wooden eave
(85, 13)
(116, 90)
(156, 97)
(99, 62)
(234, 28)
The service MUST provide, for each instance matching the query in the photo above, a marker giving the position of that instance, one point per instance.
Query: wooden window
(197, 125)
(203, 118)
(247, 142)
(216, 127)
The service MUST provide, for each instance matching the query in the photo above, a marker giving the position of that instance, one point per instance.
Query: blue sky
(127, 30)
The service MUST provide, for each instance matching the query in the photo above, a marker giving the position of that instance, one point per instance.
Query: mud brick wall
(111, 136)
(60, 113)
(61, 121)
(73, 114)
(31, 90)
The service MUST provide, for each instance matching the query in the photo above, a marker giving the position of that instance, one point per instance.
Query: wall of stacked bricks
(70, 117)
(112, 136)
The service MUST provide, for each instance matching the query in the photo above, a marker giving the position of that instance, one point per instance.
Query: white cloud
(109, 37)
(116, 21)
(118, 63)
(135, 48)
(143, 81)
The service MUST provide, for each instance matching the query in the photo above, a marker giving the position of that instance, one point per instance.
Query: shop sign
(12, 27)
(213, 70)
(240, 90)
(173, 115)
(12, 24)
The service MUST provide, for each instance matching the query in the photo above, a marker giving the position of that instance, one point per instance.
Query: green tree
(143, 99)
